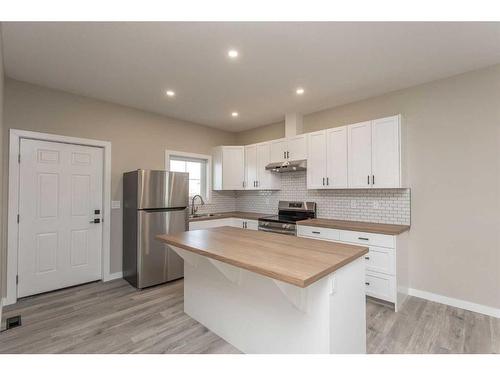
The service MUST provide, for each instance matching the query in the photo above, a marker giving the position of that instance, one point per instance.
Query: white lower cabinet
(386, 272)
(245, 223)
(380, 286)
(230, 222)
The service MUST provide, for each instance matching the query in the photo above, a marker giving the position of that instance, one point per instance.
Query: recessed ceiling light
(232, 53)
(299, 91)
(170, 93)
(235, 114)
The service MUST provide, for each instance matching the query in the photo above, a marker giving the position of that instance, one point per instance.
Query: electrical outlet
(354, 204)
(376, 205)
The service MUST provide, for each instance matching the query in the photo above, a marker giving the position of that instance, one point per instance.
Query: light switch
(115, 205)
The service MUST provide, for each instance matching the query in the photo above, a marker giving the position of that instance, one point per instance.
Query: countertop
(294, 260)
(236, 214)
(359, 226)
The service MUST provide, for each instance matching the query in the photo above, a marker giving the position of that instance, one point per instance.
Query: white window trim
(15, 137)
(208, 194)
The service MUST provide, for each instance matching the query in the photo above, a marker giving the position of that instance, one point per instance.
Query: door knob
(95, 221)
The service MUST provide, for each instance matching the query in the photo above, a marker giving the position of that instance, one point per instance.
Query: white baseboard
(2, 304)
(113, 276)
(466, 305)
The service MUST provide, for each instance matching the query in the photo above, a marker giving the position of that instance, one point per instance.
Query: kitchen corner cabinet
(293, 148)
(228, 168)
(374, 154)
(257, 156)
(327, 159)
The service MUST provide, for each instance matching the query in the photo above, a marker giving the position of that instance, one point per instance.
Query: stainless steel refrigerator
(154, 202)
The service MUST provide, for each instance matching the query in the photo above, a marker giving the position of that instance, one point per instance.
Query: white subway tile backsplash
(349, 204)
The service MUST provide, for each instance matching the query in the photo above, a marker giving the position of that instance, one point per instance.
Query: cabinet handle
(367, 283)
(284, 154)
(373, 179)
(316, 232)
(257, 183)
(363, 238)
(367, 258)
(327, 182)
(323, 181)
(243, 183)
(368, 179)
(288, 155)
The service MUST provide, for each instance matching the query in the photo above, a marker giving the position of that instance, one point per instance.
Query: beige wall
(261, 134)
(139, 139)
(453, 150)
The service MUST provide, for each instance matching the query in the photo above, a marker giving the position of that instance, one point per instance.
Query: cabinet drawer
(381, 286)
(381, 259)
(319, 233)
(363, 238)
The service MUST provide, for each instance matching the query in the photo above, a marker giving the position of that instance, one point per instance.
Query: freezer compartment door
(157, 262)
(161, 189)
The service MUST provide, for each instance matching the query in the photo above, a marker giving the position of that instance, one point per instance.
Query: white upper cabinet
(293, 148)
(316, 161)
(374, 149)
(229, 168)
(336, 155)
(265, 179)
(251, 167)
(359, 145)
(278, 150)
(386, 160)
(257, 156)
(327, 159)
(297, 147)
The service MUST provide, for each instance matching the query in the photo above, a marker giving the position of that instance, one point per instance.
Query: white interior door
(360, 154)
(251, 167)
(316, 162)
(61, 186)
(337, 157)
(386, 153)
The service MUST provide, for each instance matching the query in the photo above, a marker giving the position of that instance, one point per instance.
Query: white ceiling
(133, 63)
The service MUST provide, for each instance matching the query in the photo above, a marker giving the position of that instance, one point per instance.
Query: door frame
(15, 136)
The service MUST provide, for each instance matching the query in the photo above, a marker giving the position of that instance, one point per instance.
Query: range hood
(287, 166)
(293, 127)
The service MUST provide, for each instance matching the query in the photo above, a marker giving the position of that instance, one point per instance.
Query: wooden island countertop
(294, 260)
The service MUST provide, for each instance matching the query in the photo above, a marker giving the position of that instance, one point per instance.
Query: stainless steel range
(288, 214)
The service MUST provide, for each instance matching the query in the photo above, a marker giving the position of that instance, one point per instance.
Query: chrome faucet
(193, 208)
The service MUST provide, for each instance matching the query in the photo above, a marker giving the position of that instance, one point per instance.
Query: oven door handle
(277, 231)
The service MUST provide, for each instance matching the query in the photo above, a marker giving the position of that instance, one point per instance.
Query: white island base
(258, 314)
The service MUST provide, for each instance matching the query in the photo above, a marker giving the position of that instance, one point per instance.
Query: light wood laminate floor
(113, 317)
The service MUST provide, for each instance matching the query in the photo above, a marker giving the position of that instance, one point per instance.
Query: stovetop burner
(289, 213)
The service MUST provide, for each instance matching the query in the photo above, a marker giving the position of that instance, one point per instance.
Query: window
(198, 167)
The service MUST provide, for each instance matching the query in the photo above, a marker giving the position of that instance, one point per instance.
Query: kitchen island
(271, 293)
